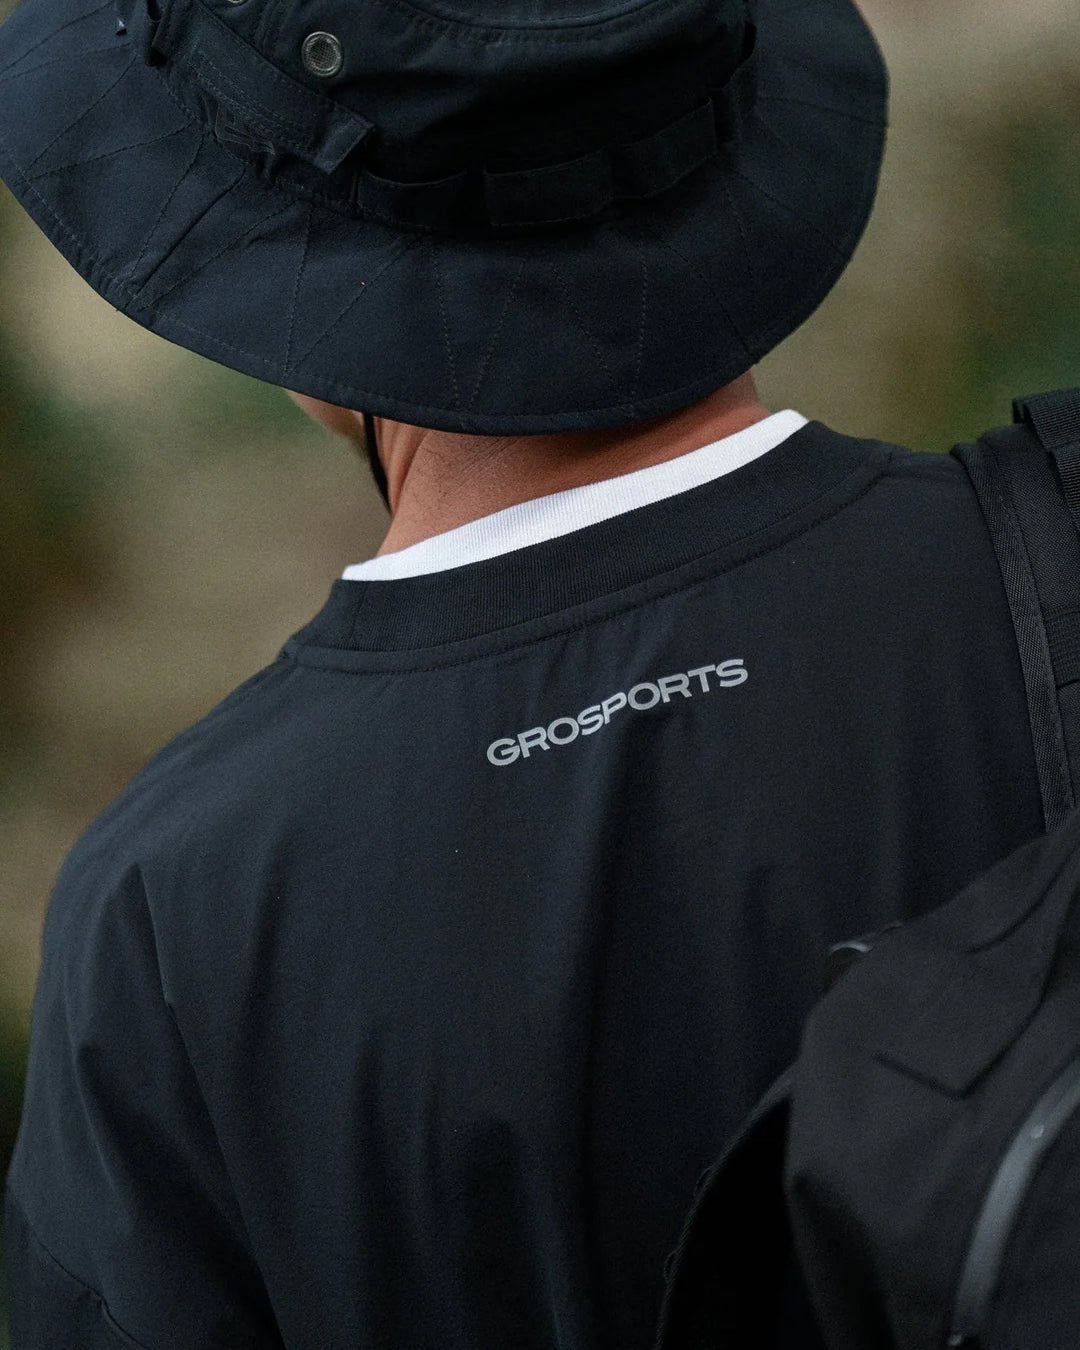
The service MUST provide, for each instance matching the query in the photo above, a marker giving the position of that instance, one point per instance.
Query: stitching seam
(296, 288)
(234, 93)
(495, 335)
(55, 61)
(79, 18)
(84, 114)
(433, 250)
(106, 154)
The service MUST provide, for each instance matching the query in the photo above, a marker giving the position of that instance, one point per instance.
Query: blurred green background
(166, 523)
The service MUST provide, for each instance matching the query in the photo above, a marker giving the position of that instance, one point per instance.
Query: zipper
(997, 1218)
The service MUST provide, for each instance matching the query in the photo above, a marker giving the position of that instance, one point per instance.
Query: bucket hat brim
(605, 324)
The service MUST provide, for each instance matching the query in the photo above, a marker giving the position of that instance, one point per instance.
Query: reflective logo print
(640, 698)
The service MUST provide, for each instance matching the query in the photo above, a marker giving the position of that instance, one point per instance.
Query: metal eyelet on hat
(322, 55)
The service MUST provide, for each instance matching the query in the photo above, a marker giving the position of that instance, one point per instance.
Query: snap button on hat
(321, 54)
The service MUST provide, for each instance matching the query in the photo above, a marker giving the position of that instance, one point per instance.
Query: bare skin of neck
(439, 480)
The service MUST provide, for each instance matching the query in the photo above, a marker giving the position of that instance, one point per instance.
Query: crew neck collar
(560, 513)
(426, 621)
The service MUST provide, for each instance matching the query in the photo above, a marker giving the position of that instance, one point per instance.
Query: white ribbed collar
(561, 512)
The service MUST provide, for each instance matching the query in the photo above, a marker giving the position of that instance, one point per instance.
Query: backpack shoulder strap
(1055, 419)
(1027, 480)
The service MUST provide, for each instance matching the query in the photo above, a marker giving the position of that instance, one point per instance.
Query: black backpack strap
(1055, 419)
(1022, 476)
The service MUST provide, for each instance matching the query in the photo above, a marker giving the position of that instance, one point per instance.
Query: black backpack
(912, 1182)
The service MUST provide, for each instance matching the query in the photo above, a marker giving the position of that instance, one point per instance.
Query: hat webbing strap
(576, 189)
(261, 109)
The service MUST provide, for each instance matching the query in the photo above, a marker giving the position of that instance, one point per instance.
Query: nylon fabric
(510, 1009)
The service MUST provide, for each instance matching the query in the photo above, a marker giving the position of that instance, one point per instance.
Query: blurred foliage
(1024, 294)
(55, 468)
(1016, 288)
(226, 414)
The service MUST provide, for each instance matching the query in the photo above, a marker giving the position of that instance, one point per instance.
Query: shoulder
(915, 494)
(934, 471)
(922, 472)
(189, 804)
(934, 492)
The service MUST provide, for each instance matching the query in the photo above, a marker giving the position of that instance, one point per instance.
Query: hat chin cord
(377, 470)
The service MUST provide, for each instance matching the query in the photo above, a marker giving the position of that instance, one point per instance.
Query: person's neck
(439, 480)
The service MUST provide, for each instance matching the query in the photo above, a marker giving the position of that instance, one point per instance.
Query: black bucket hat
(519, 217)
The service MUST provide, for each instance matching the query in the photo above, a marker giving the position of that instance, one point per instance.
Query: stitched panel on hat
(239, 245)
(86, 175)
(345, 299)
(417, 305)
(575, 321)
(678, 300)
(622, 320)
(761, 220)
(39, 33)
(838, 72)
(59, 132)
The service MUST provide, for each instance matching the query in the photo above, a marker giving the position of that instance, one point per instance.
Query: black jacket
(401, 1001)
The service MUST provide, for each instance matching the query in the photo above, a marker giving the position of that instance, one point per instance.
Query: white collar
(559, 513)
